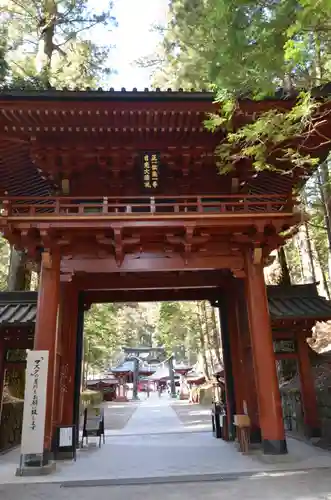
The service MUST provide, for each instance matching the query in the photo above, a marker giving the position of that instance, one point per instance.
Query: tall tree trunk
(285, 278)
(318, 60)
(297, 247)
(209, 338)
(188, 347)
(305, 252)
(19, 277)
(323, 180)
(202, 343)
(323, 275)
(46, 41)
(216, 335)
(310, 252)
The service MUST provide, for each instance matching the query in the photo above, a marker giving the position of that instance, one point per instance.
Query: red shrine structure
(116, 196)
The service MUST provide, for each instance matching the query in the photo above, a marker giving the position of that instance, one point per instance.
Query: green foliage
(266, 137)
(49, 43)
(91, 398)
(110, 327)
(182, 328)
(4, 262)
(178, 330)
(294, 262)
(244, 48)
(100, 335)
(247, 46)
(190, 331)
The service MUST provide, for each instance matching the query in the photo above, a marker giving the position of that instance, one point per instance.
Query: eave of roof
(147, 94)
(18, 309)
(297, 302)
(106, 95)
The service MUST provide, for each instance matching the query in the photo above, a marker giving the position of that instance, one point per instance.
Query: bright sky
(133, 39)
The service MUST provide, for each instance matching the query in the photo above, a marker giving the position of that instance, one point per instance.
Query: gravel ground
(313, 485)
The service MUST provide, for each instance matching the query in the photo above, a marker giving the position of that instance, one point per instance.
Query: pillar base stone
(43, 470)
(37, 465)
(274, 446)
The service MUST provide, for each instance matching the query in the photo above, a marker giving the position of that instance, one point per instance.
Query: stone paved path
(307, 486)
(152, 447)
(117, 415)
(154, 416)
(193, 417)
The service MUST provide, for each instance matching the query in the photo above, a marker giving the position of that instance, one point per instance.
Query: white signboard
(93, 418)
(65, 437)
(34, 412)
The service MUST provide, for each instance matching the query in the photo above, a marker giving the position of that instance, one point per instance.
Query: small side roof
(18, 309)
(295, 302)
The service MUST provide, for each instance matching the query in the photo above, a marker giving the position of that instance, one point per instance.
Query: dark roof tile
(90, 93)
(18, 308)
(297, 302)
(285, 303)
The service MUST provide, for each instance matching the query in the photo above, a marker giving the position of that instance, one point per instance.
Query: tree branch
(73, 35)
(21, 6)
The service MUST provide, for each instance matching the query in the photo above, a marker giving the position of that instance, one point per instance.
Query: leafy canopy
(240, 48)
(48, 43)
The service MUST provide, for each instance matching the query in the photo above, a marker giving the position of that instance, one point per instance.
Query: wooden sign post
(94, 424)
(33, 428)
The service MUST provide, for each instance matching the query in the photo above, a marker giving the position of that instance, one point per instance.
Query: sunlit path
(153, 416)
(157, 415)
(160, 444)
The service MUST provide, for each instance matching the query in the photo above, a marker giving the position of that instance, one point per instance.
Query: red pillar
(251, 395)
(270, 409)
(230, 396)
(68, 328)
(308, 391)
(46, 336)
(249, 377)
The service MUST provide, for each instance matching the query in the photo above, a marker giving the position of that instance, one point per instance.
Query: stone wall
(11, 424)
(324, 410)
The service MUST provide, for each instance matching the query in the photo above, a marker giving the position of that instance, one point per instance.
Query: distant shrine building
(116, 196)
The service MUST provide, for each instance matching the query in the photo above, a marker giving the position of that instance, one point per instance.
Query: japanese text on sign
(151, 171)
(35, 385)
(34, 402)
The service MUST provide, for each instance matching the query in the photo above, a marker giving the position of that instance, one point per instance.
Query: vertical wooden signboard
(33, 428)
(151, 170)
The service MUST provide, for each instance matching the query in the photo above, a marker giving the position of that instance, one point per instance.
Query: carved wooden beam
(45, 238)
(257, 255)
(118, 245)
(153, 262)
(46, 259)
(30, 241)
(66, 277)
(238, 273)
